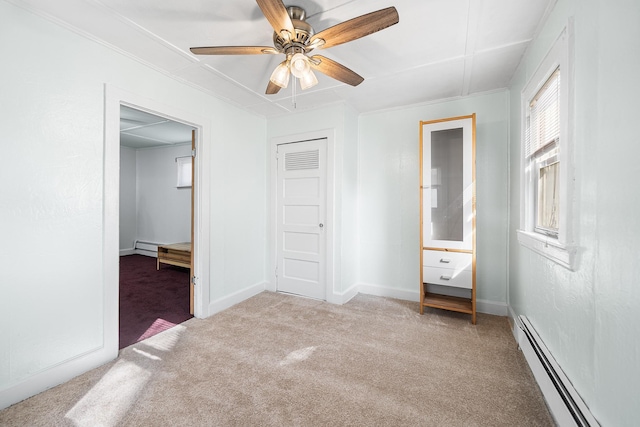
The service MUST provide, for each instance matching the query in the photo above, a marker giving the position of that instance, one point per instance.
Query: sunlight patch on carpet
(145, 354)
(156, 327)
(298, 356)
(110, 399)
(166, 340)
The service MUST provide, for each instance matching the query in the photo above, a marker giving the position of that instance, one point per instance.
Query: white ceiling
(143, 130)
(440, 48)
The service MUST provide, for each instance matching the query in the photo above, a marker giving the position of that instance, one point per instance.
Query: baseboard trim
(344, 297)
(55, 375)
(235, 298)
(124, 252)
(482, 306)
(491, 307)
(383, 291)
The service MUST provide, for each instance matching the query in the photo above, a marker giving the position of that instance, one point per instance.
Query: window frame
(558, 248)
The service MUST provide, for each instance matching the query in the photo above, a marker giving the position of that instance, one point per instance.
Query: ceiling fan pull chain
(293, 91)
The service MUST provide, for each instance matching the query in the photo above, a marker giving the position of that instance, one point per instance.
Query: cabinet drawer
(442, 259)
(447, 277)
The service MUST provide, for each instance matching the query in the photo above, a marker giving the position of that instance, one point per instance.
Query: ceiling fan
(294, 37)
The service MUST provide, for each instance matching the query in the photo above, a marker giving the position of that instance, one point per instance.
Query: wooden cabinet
(447, 215)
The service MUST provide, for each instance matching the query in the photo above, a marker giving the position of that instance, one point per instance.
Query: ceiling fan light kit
(308, 80)
(280, 75)
(295, 38)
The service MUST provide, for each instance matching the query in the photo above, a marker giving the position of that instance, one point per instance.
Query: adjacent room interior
(155, 211)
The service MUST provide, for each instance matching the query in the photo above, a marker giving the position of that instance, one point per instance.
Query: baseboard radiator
(564, 402)
(146, 248)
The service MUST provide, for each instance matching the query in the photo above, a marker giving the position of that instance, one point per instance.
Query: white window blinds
(543, 122)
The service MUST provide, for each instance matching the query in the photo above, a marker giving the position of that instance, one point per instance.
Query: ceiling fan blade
(233, 50)
(357, 27)
(276, 14)
(335, 70)
(272, 88)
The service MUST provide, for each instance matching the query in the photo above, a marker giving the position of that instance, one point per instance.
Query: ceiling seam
(473, 13)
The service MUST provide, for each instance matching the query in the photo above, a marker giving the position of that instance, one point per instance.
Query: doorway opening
(156, 210)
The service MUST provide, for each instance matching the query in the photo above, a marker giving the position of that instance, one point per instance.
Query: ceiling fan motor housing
(303, 32)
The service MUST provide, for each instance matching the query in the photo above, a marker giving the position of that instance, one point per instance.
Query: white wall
(52, 302)
(589, 318)
(163, 210)
(389, 210)
(128, 222)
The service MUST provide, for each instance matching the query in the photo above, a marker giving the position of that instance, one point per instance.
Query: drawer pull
(445, 260)
(445, 277)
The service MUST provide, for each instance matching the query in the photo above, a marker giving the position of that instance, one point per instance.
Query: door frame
(329, 226)
(114, 98)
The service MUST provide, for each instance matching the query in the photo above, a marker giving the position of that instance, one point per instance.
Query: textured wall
(589, 317)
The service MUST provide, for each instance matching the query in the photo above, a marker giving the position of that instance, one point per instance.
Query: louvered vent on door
(302, 160)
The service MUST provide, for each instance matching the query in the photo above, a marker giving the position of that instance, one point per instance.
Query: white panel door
(301, 215)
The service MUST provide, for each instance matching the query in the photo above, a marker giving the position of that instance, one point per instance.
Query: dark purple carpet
(151, 301)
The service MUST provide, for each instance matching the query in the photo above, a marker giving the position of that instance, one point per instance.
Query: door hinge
(193, 280)
(193, 152)
(276, 271)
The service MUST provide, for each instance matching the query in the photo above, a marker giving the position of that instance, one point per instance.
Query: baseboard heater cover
(146, 248)
(564, 402)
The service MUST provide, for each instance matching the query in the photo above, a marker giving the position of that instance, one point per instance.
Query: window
(184, 165)
(541, 148)
(545, 225)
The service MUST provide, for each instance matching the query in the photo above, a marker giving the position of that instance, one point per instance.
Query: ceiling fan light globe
(308, 80)
(299, 65)
(280, 75)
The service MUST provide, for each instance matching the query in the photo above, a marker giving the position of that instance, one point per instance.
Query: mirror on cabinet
(447, 193)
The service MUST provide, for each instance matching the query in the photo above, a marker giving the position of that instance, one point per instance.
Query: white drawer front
(447, 277)
(442, 259)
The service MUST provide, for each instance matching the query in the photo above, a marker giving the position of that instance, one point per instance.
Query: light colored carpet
(279, 360)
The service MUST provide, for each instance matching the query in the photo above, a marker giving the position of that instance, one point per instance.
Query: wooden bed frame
(175, 254)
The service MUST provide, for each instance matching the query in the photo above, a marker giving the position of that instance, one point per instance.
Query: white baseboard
(53, 376)
(491, 307)
(344, 297)
(124, 252)
(513, 322)
(383, 291)
(237, 297)
(482, 306)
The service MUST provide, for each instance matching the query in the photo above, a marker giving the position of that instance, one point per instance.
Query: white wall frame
(561, 249)
(330, 230)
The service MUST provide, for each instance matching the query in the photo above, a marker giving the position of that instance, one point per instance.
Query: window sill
(548, 247)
